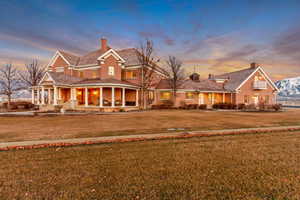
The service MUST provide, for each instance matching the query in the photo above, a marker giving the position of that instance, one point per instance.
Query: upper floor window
(246, 99)
(60, 69)
(94, 74)
(131, 74)
(111, 70)
(81, 74)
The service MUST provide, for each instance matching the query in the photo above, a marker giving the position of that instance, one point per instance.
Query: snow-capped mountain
(289, 87)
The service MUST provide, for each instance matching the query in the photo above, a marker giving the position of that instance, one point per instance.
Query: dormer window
(111, 71)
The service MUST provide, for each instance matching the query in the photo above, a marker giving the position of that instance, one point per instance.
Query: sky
(208, 36)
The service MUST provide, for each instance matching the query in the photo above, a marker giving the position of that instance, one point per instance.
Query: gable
(47, 79)
(261, 75)
(109, 53)
(58, 61)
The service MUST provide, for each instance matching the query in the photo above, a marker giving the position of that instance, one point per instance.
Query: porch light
(95, 92)
(79, 93)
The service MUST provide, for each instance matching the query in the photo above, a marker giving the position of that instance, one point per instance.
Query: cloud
(154, 33)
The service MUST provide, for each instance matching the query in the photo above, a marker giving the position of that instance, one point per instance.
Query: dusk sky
(213, 36)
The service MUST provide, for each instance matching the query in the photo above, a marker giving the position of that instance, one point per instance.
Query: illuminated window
(189, 95)
(165, 95)
(94, 75)
(246, 99)
(81, 74)
(130, 74)
(111, 71)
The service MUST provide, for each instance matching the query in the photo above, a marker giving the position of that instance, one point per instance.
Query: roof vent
(210, 76)
(253, 65)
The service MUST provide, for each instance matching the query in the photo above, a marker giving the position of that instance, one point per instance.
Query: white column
(123, 97)
(55, 96)
(213, 98)
(59, 93)
(38, 96)
(73, 97)
(101, 97)
(113, 97)
(43, 95)
(223, 97)
(137, 98)
(49, 96)
(86, 97)
(230, 97)
(32, 96)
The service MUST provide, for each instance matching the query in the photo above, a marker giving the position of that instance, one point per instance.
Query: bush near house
(18, 105)
(224, 106)
(166, 104)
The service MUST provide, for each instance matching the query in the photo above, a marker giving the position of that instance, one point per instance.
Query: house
(105, 79)
(110, 80)
(247, 86)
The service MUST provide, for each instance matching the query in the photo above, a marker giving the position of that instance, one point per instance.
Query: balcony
(260, 85)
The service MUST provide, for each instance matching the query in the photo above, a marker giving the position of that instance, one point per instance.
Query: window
(60, 69)
(111, 71)
(94, 74)
(130, 74)
(81, 74)
(151, 97)
(246, 99)
(267, 99)
(189, 95)
(165, 95)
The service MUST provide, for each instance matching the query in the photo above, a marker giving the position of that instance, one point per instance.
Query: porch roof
(98, 81)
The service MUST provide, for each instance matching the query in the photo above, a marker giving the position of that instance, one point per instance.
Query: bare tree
(148, 67)
(32, 74)
(9, 82)
(175, 74)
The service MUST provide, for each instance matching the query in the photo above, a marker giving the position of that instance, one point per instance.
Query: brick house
(248, 86)
(105, 80)
(110, 80)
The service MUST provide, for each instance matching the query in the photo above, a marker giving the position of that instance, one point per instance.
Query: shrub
(224, 106)
(277, 107)
(167, 104)
(202, 106)
(192, 106)
(241, 106)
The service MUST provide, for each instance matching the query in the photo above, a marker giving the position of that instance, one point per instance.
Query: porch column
(230, 97)
(43, 95)
(49, 96)
(113, 97)
(137, 97)
(55, 96)
(213, 98)
(86, 97)
(32, 96)
(59, 93)
(223, 97)
(123, 97)
(38, 96)
(101, 97)
(73, 97)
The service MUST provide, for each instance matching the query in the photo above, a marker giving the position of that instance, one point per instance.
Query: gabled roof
(72, 59)
(91, 58)
(188, 84)
(235, 79)
(130, 56)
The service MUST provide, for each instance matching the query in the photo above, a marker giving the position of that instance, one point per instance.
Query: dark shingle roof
(235, 79)
(202, 85)
(72, 59)
(63, 79)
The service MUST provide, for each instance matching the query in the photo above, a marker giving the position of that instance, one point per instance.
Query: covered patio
(92, 96)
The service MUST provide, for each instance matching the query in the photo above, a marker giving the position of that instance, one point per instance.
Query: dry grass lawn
(57, 127)
(245, 167)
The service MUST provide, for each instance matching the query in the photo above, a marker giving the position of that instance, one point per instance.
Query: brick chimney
(104, 44)
(253, 65)
(210, 76)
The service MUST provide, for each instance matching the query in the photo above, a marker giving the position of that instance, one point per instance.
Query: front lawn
(58, 127)
(257, 166)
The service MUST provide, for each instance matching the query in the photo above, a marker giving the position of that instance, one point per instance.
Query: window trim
(111, 70)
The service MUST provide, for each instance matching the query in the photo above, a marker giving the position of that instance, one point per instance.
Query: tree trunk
(8, 101)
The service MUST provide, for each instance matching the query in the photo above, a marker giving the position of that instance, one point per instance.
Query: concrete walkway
(130, 138)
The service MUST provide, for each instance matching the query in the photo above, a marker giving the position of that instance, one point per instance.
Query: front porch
(102, 98)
